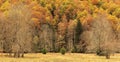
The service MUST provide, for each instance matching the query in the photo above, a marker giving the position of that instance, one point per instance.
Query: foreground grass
(57, 57)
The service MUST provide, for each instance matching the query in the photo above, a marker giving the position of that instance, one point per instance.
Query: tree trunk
(15, 54)
(53, 40)
(22, 55)
(18, 54)
(107, 55)
(10, 54)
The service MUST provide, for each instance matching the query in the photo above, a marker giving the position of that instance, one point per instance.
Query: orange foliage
(1, 2)
(89, 18)
(60, 11)
(117, 2)
(61, 28)
(13, 1)
(95, 2)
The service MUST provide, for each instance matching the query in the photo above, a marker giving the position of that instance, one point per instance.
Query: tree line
(32, 26)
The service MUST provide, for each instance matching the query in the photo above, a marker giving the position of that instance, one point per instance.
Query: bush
(74, 50)
(63, 51)
(44, 51)
(107, 55)
(100, 53)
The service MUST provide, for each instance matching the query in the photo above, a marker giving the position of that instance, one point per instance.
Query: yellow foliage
(6, 13)
(36, 14)
(112, 7)
(1, 2)
(48, 18)
(112, 19)
(85, 10)
(36, 21)
(82, 14)
(53, 22)
(36, 8)
(5, 6)
(105, 5)
(117, 12)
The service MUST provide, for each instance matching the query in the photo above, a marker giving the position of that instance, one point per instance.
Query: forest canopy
(77, 25)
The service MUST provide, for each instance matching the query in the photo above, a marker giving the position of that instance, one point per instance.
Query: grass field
(57, 57)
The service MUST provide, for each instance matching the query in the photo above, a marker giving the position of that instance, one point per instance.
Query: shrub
(100, 53)
(74, 50)
(63, 51)
(44, 51)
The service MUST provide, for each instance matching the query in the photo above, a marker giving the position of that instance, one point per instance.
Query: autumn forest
(73, 26)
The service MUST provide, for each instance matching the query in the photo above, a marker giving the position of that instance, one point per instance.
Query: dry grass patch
(57, 57)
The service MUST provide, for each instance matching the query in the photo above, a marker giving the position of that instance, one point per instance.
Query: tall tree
(103, 36)
(20, 19)
(78, 32)
(45, 36)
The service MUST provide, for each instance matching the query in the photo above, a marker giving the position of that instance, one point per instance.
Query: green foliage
(100, 52)
(42, 3)
(78, 32)
(74, 50)
(35, 44)
(63, 51)
(107, 55)
(44, 51)
(100, 4)
(112, 8)
(117, 12)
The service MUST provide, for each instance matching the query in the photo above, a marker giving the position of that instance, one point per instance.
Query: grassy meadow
(57, 57)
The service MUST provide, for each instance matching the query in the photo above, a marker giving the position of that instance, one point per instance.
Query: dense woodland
(79, 26)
